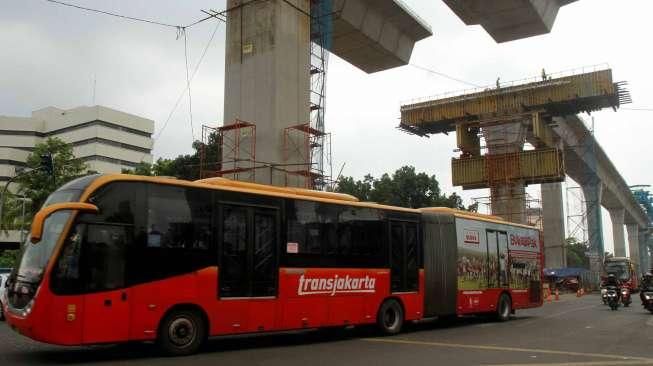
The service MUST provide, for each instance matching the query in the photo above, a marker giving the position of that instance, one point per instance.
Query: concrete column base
(593, 193)
(617, 218)
(555, 253)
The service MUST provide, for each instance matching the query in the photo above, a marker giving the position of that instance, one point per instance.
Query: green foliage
(404, 188)
(183, 166)
(576, 253)
(12, 213)
(9, 258)
(37, 184)
(141, 168)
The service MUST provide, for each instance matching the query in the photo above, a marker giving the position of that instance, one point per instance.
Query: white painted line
(509, 349)
(589, 363)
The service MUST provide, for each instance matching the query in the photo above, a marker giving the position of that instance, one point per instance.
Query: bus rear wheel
(390, 318)
(182, 332)
(504, 308)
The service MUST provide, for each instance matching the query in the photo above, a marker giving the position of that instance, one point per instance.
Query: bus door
(404, 256)
(248, 267)
(106, 304)
(497, 250)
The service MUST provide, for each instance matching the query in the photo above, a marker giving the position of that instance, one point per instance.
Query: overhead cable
(444, 75)
(183, 92)
(126, 16)
(190, 99)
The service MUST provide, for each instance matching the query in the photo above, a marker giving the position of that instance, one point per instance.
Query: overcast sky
(52, 54)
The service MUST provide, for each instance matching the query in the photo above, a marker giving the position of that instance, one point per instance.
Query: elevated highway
(603, 186)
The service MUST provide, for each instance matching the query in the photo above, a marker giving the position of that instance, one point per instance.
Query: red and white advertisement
(471, 237)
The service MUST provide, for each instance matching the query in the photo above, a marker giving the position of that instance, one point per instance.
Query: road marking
(591, 363)
(555, 315)
(505, 349)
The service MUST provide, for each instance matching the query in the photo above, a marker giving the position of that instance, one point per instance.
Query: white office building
(106, 140)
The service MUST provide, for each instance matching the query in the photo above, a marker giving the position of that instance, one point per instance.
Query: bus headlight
(27, 309)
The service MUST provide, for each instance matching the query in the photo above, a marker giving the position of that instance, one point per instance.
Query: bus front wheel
(390, 318)
(182, 332)
(504, 308)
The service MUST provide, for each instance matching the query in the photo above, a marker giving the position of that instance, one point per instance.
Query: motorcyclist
(646, 285)
(612, 281)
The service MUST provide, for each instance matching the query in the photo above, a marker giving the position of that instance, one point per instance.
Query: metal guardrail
(507, 84)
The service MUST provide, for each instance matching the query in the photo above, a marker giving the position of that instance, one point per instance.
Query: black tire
(626, 304)
(2, 312)
(390, 317)
(181, 333)
(504, 308)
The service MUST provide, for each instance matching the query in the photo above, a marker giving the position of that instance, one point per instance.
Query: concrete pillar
(645, 257)
(555, 253)
(633, 243)
(267, 83)
(617, 218)
(593, 192)
(508, 200)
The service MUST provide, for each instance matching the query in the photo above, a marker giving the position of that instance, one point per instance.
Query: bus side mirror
(44, 213)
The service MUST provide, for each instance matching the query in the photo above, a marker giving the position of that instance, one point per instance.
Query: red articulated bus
(116, 258)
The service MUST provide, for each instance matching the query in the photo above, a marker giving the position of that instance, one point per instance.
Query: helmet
(611, 276)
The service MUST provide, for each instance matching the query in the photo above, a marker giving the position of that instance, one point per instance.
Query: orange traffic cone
(578, 293)
(582, 291)
(557, 294)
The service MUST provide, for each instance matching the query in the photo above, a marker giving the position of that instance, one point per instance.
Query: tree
(404, 188)
(183, 166)
(8, 258)
(37, 184)
(576, 253)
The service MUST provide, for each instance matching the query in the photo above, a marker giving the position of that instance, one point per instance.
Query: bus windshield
(35, 256)
(619, 269)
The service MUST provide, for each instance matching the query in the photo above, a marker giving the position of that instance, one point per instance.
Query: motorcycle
(613, 298)
(648, 301)
(625, 296)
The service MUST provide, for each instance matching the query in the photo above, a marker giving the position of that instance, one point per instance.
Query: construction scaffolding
(300, 142)
(576, 214)
(509, 117)
(319, 143)
(531, 209)
(237, 144)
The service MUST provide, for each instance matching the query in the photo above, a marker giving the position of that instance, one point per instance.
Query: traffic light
(47, 164)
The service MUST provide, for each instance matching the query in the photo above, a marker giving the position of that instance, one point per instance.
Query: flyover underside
(509, 20)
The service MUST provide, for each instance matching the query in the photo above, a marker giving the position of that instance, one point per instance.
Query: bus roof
(219, 181)
(245, 187)
(617, 259)
(473, 216)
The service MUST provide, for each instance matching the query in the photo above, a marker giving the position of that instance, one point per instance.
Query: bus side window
(106, 247)
(66, 278)
(178, 217)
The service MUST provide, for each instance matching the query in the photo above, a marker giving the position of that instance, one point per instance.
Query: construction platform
(566, 95)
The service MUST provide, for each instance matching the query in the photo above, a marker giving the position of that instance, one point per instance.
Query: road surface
(573, 331)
